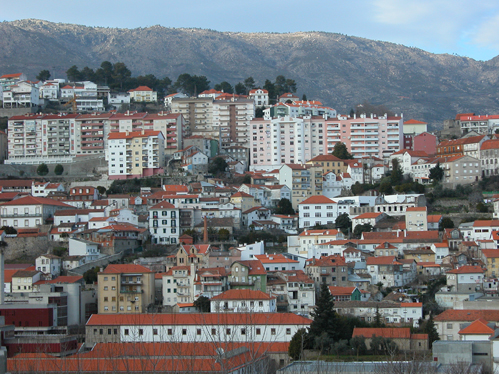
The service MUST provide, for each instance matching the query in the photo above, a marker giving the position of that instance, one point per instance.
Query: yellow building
(329, 163)
(420, 255)
(243, 201)
(125, 289)
(491, 259)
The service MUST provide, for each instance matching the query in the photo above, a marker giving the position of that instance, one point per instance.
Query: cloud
(486, 33)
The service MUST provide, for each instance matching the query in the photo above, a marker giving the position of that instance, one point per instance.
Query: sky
(467, 28)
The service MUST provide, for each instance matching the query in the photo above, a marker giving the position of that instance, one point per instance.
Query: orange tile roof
(423, 235)
(275, 258)
(198, 319)
(369, 215)
(243, 295)
(467, 315)
(31, 200)
(327, 261)
(490, 144)
(255, 267)
(318, 199)
(434, 218)
(382, 260)
(486, 223)
(385, 332)
(141, 88)
(478, 327)
(340, 291)
(416, 209)
(414, 122)
(324, 158)
(491, 253)
(467, 269)
(163, 205)
(125, 268)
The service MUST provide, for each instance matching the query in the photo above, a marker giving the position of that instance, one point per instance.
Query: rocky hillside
(337, 69)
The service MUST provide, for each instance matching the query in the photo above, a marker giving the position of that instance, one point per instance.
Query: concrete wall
(101, 263)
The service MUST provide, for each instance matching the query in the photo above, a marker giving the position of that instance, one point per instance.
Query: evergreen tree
(284, 207)
(378, 320)
(431, 330)
(43, 75)
(59, 169)
(297, 344)
(42, 169)
(340, 150)
(397, 173)
(325, 319)
(436, 173)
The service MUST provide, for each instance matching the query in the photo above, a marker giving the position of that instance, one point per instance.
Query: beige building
(329, 163)
(125, 289)
(143, 94)
(461, 170)
(198, 114)
(135, 154)
(416, 219)
(303, 180)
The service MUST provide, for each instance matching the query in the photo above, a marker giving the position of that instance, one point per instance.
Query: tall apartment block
(135, 154)
(226, 119)
(57, 138)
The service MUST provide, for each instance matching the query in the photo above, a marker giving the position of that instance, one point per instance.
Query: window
(272, 331)
(227, 331)
(288, 331)
(126, 332)
(258, 331)
(198, 332)
(170, 331)
(213, 331)
(155, 331)
(141, 331)
(243, 331)
(184, 331)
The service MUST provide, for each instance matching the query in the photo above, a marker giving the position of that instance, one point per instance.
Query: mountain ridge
(337, 69)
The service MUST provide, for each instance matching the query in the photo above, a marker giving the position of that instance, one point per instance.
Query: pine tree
(431, 330)
(325, 319)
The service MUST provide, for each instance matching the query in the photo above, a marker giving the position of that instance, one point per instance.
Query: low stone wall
(27, 247)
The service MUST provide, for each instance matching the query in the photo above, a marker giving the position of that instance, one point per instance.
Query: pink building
(425, 142)
(366, 135)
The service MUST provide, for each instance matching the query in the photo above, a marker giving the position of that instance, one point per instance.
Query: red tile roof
(382, 260)
(140, 88)
(491, 253)
(467, 315)
(416, 209)
(490, 144)
(319, 199)
(478, 327)
(31, 200)
(341, 291)
(324, 158)
(198, 319)
(163, 205)
(126, 268)
(414, 122)
(255, 267)
(467, 269)
(275, 258)
(368, 215)
(243, 295)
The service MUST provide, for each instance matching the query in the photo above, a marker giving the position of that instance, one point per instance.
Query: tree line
(119, 77)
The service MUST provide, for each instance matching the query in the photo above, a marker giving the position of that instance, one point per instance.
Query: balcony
(131, 291)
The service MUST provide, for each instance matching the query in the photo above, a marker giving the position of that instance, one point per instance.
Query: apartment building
(23, 94)
(164, 223)
(85, 96)
(365, 135)
(461, 170)
(135, 154)
(259, 96)
(481, 124)
(317, 210)
(285, 140)
(231, 120)
(178, 285)
(304, 181)
(469, 146)
(298, 108)
(125, 289)
(8, 80)
(198, 114)
(91, 132)
(25, 138)
(489, 154)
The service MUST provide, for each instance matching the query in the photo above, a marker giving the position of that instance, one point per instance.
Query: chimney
(205, 237)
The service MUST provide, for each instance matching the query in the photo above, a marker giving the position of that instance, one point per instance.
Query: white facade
(318, 211)
(164, 223)
(49, 264)
(260, 96)
(85, 248)
(243, 306)
(249, 251)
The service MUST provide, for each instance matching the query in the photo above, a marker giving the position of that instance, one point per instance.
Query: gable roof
(467, 315)
(125, 268)
(467, 269)
(318, 199)
(31, 200)
(478, 327)
(243, 295)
